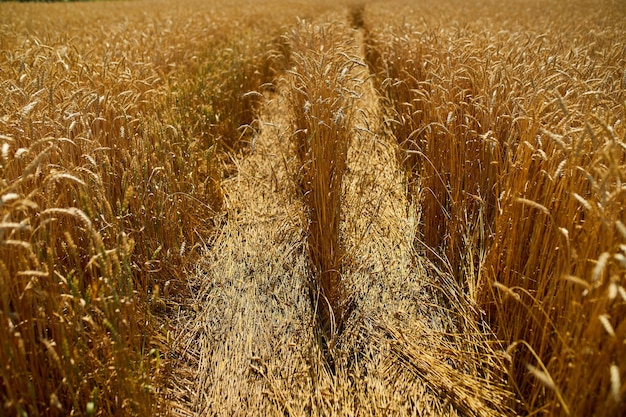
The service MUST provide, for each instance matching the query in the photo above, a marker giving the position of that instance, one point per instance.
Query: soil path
(252, 348)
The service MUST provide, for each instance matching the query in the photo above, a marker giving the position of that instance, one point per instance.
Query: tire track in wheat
(254, 319)
(253, 348)
(425, 348)
(391, 287)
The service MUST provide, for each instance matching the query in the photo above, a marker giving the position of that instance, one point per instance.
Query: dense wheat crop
(119, 126)
(322, 94)
(110, 120)
(511, 117)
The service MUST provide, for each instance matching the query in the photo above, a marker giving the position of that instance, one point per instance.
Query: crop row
(111, 120)
(511, 121)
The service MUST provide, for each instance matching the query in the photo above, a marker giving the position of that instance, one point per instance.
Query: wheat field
(316, 208)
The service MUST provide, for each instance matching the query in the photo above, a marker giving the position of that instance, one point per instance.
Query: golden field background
(313, 208)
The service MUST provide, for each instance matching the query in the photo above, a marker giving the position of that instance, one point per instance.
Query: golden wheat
(321, 94)
(109, 183)
(511, 120)
(115, 122)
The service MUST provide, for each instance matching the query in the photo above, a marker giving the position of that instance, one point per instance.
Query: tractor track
(252, 347)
